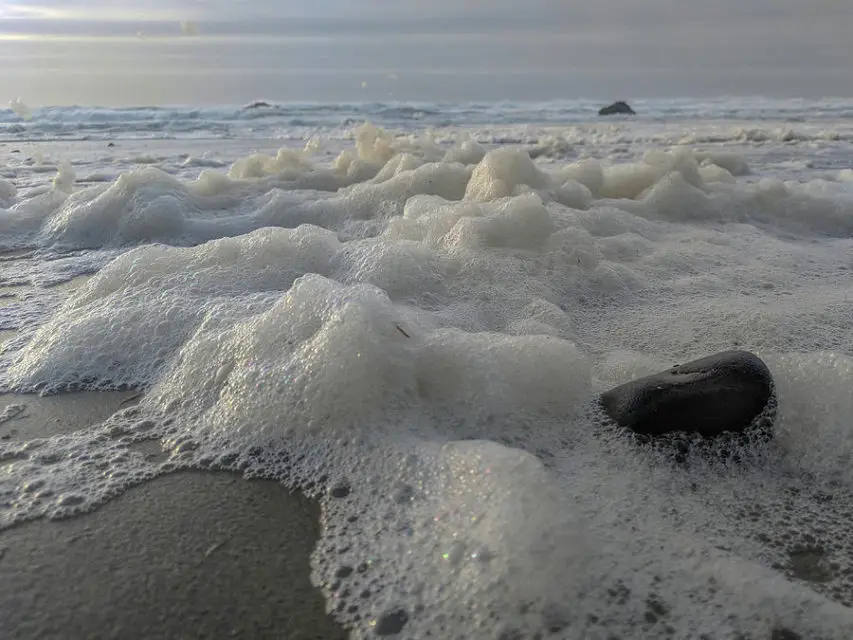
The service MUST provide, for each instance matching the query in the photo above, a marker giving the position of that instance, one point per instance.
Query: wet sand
(188, 555)
(44, 416)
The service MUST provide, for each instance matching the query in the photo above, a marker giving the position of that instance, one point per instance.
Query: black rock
(724, 393)
(260, 104)
(616, 108)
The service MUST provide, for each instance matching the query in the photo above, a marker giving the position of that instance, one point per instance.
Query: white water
(426, 320)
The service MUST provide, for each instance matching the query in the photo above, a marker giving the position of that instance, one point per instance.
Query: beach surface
(409, 312)
(187, 555)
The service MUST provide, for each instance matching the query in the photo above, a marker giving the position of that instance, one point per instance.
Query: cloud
(483, 15)
(81, 10)
(168, 9)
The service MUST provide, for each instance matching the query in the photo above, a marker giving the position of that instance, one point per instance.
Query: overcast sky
(120, 52)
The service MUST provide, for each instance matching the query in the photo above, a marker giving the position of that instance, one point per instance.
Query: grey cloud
(451, 49)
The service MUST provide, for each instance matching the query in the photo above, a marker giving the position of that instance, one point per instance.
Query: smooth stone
(617, 108)
(722, 393)
(260, 104)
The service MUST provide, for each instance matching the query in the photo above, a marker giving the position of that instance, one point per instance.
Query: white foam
(815, 417)
(287, 161)
(415, 334)
(21, 109)
(503, 173)
(734, 163)
(193, 161)
(8, 191)
(468, 152)
(588, 173)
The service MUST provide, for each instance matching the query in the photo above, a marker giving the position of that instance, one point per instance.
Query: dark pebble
(723, 393)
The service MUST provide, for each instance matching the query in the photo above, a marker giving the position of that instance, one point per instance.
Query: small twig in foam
(213, 548)
(401, 330)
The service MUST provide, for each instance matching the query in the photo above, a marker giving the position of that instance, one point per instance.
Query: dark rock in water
(260, 104)
(724, 393)
(111, 144)
(616, 108)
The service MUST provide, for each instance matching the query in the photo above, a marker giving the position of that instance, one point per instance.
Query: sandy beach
(188, 555)
(416, 310)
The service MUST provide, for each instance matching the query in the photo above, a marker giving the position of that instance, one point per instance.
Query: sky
(192, 52)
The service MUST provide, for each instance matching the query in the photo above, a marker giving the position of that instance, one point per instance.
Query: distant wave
(78, 122)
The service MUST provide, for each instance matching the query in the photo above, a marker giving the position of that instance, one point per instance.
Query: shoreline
(191, 554)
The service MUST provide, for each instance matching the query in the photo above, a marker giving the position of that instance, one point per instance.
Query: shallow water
(413, 325)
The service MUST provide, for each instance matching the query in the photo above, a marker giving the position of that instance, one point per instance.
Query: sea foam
(415, 335)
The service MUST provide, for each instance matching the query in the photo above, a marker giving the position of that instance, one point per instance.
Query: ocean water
(407, 311)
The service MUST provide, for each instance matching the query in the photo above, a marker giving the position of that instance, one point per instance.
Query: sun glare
(12, 10)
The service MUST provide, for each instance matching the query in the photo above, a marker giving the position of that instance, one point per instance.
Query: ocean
(407, 311)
